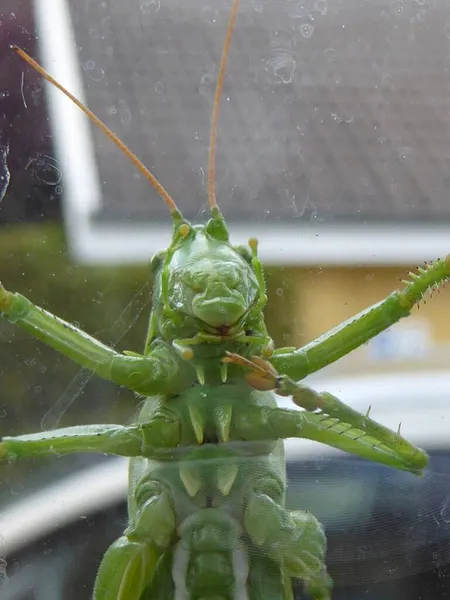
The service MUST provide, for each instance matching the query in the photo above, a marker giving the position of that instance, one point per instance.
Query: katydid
(207, 519)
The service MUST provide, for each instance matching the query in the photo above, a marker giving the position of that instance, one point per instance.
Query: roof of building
(332, 112)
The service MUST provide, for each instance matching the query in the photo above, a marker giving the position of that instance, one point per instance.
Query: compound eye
(245, 253)
(157, 261)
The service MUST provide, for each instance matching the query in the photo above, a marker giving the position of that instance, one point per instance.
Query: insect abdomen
(210, 560)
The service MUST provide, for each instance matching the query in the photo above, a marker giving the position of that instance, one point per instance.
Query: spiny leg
(109, 439)
(358, 330)
(144, 374)
(153, 439)
(332, 422)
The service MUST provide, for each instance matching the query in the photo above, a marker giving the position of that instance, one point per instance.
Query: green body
(207, 519)
(207, 489)
(207, 475)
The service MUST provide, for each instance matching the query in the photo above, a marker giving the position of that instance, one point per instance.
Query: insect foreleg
(146, 375)
(125, 570)
(358, 330)
(295, 540)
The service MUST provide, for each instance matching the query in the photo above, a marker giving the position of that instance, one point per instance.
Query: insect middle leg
(108, 439)
(326, 419)
(358, 330)
(151, 439)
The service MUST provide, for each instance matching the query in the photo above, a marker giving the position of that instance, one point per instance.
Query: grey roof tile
(330, 110)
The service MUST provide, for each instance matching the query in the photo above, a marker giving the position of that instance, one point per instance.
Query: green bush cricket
(207, 519)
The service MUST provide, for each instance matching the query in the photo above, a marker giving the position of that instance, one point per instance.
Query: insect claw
(197, 422)
(284, 350)
(200, 374)
(264, 366)
(368, 411)
(131, 353)
(191, 479)
(222, 421)
(183, 350)
(226, 475)
(224, 372)
(399, 427)
(268, 350)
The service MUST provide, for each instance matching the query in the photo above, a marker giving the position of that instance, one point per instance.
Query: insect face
(211, 282)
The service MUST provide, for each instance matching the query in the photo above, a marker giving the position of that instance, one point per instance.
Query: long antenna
(112, 136)
(215, 112)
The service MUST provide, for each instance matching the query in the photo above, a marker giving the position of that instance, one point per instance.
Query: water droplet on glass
(306, 30)
(125, 113)
(12, 457)
(6, 176)
(283, 65)
(92, 71)
(447, 29)
(150, 6)
(321, 7)
(330, 54)
(205, 86)
(299, 11)
(209, 15)
(445, 511)
(404, 152)
(422, 15)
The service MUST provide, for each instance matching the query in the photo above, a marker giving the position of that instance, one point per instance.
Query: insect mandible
(207, 519)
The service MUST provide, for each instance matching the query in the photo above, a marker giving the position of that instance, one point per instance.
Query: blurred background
(333, 150)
